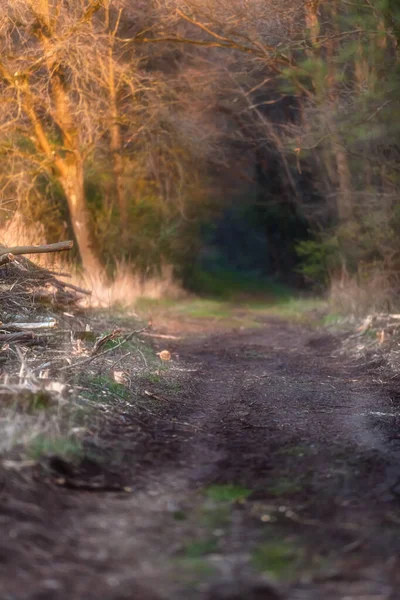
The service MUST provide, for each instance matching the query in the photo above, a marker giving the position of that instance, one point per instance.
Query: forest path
(277, 479)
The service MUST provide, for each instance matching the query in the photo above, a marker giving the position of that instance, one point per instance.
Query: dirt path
(279, 477)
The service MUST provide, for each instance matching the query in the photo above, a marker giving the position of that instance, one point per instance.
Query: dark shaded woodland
(260, 139)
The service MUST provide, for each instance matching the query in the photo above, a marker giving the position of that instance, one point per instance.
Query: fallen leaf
(121, 377)
(165, 355)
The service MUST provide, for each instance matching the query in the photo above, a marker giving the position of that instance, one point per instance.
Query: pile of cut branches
(375, 342)
(29, 293)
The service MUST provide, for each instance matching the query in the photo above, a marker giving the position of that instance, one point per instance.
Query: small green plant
(33, 402)
(200, 548)
(284, 487)
(153, 377)
(318, 259)
(64, 447)
(218, 516)
(227, 493)
(276, 557)
(194, 570)
(106, 387)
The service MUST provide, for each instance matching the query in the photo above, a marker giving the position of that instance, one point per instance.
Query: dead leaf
(366, 324)
(381, 336)
(121, 377)
(165, 355)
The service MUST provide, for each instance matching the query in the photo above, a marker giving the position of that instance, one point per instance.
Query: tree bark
(68, 165)
(345, 195)
(312, 22)
(72, 180)
(345, 204)
(44, 249)
(115, 129)
(70, 171)
(118, 166)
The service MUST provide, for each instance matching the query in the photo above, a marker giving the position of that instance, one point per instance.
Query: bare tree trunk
(115, 147)
(114, 126)
(71, 178)
(68, 166)
(345, 195)
(312, 22)
(345, 208)
(70, 172)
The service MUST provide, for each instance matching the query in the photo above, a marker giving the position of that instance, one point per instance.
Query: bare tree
(46, 86)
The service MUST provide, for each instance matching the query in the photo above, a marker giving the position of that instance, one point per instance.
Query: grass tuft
(227, 493)
(277, 558)
(65, 447)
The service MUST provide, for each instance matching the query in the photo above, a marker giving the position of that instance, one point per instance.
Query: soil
(276, 476)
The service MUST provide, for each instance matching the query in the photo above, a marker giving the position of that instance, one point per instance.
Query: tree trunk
(70, 170)
(312, 22)
(118, 169)
(72, 181)
(115, 142)
(345, 203)
(345, 195)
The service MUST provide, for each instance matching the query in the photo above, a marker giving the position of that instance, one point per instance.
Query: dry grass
(364, 295)
(126, 288)
(123, 290)
(17, 231)
(52, 390)
(58, 391)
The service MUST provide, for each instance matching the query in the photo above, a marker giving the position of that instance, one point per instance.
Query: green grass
(193, 564)
(192, 571)
(102, 387)
(33, 402)
(203, 308)
(200, 548)
(275, 557)
(297, 306)
(216, 516)
(284, 487)
(154, 378)
(238, 311)
(198, 308)
(229, 285)
(227, 493)
(64, 447)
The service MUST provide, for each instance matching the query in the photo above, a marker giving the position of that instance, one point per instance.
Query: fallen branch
(18, 250)
(91, 358)
(37, 325)
(75, 288)
(163, 336)
(22, 336)
(155, 396)
(5, 259)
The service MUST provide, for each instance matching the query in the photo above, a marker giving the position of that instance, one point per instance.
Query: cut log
(5, 259)
(18, 250)
(23, 336)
